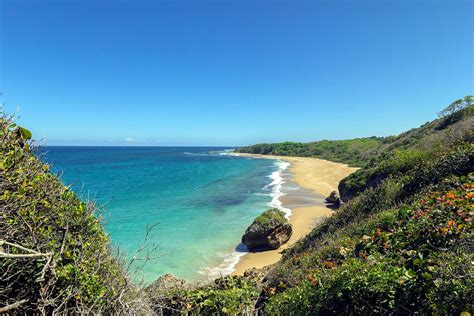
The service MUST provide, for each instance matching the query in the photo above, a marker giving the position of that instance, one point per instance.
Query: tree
(469, 100)
(457, 105)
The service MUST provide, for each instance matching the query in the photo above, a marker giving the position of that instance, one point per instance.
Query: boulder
(268, 231)
(334, 198)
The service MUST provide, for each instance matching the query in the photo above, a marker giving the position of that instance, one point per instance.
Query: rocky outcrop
(334, 198)
(166, 282)
(160, 293)
(268, 231)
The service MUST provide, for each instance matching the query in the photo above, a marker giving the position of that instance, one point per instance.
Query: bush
(228, 295)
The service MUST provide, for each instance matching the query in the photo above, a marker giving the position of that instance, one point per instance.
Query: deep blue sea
(201, 198)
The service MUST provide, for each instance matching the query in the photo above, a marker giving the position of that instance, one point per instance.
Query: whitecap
(277, 184)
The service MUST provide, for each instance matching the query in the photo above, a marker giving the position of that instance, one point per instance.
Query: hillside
(354, 152)
(404, 246)
(365, 152)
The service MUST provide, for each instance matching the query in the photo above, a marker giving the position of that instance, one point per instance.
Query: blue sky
(231, 72)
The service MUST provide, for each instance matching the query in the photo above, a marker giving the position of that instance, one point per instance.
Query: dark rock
(268, 231)
(334, 198)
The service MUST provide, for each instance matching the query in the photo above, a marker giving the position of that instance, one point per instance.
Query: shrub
(227, 295)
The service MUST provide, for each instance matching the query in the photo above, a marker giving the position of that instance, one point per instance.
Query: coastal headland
(315, 179)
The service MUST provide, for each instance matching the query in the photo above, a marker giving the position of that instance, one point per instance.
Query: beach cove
(182, 187)
(312, 180)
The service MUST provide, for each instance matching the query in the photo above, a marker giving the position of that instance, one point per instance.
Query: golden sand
(317, 176)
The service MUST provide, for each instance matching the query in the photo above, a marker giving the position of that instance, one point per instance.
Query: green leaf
(25, 134)
(410, 273)
(426, 276)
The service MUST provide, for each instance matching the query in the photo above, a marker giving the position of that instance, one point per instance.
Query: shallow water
(201, 198)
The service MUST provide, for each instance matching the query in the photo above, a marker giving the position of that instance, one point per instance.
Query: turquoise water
(202, 200)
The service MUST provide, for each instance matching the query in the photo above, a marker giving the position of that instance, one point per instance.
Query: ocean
(200, 198)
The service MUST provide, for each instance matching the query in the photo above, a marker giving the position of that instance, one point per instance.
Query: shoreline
(305, 206)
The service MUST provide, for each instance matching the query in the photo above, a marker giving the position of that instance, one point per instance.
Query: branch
(7, 308)
(45, 267)
(4, 242)
(26, 255)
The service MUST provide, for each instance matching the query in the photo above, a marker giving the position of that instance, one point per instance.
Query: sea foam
(277, 184)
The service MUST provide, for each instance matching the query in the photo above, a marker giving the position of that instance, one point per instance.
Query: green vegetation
(455, 120)
(460, 104)
(228, 295)
(271, 215)
(354, 151)
(409, 149)
(55, 256)
(414, 258)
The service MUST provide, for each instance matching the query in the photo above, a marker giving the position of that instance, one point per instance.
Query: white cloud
(130, 140)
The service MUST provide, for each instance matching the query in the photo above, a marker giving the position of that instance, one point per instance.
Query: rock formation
(268, 231)
(334, 198)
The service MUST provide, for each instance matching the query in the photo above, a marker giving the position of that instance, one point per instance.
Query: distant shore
(316, 179)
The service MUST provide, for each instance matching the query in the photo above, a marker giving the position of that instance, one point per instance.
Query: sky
(230, 72)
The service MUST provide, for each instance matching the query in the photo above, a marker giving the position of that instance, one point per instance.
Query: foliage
(398, 163)
(25, 133)
(55, 256)
(354, 151)
(413, 258)
(451, 128)
(410, 149)
(457, 105)
(271, 215)
(227, 295)
(391, 192)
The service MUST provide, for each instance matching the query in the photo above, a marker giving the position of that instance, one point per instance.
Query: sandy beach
(316, 179)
